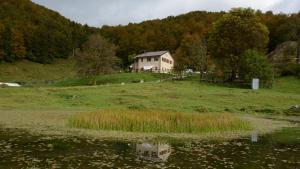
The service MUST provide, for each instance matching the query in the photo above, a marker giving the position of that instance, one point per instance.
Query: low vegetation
(158, 121)
(48, 108)
(62, 73)
(117, 78)
(30, 72)
(179, 96)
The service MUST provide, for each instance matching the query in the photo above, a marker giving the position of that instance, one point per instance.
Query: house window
(156, 59)
(142, 59)
(165, 60)
(148, 59)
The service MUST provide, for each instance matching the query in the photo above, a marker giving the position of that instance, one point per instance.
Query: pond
(19, 149)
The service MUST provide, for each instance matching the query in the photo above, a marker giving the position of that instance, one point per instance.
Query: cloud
(287, 6)
(114, 12)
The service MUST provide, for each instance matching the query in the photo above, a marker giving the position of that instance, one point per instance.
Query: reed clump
(158, 121)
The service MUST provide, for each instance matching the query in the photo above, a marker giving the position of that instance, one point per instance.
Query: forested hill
(33, 32)
(165, 34)
(173, 32)
(30, 31)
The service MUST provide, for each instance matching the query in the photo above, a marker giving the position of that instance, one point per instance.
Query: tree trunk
(233, 76)
(298, 49)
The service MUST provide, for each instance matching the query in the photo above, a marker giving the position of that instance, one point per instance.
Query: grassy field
(183, 96)
(158, 121)
(52, 106)
(111, 79)
(62, 73)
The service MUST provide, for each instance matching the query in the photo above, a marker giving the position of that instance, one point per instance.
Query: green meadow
(186, 106)
(177, 96)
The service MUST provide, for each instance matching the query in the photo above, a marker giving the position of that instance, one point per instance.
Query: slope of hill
(164, 34)
(33, 32)
(42, 35)
(168, 33)
(27, 71)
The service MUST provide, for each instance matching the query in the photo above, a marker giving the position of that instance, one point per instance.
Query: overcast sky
(115, 12)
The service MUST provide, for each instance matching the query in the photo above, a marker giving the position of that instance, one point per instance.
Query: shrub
(255, 65)
(291, 69)
(298, 71)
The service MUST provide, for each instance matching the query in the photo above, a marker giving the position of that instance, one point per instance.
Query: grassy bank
(46, 109)
(29, 72)
(111, 79)
(62, 73)
(185, 96)
(158, 122)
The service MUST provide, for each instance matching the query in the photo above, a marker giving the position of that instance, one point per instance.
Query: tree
(255, 65)
(18, 49)
(2, 54)
(96, 57)
(233, 34)
(6, 41)
(37, 32)
(192, 53)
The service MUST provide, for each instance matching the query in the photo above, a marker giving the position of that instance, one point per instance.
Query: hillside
(164, 34)
(33, 32)
(27, 71)
(169, 33)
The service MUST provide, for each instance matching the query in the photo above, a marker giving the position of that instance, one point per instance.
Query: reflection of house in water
(254, 137)
(154, 152)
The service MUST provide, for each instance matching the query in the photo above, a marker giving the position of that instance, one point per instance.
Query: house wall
(166, 63)
(141, 64)
(158, 66)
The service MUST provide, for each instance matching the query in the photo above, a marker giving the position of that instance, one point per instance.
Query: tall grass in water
(157, 121)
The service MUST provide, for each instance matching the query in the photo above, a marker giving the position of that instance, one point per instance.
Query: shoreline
(50, 123)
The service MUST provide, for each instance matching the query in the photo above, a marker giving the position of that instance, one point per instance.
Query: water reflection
(278, 150)
(254, 137)
(154, 152)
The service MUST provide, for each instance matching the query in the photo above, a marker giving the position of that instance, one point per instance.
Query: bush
(255, 65)
(291, 69)
(298, 71)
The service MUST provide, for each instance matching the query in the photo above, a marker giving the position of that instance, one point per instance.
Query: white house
(158, 62)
